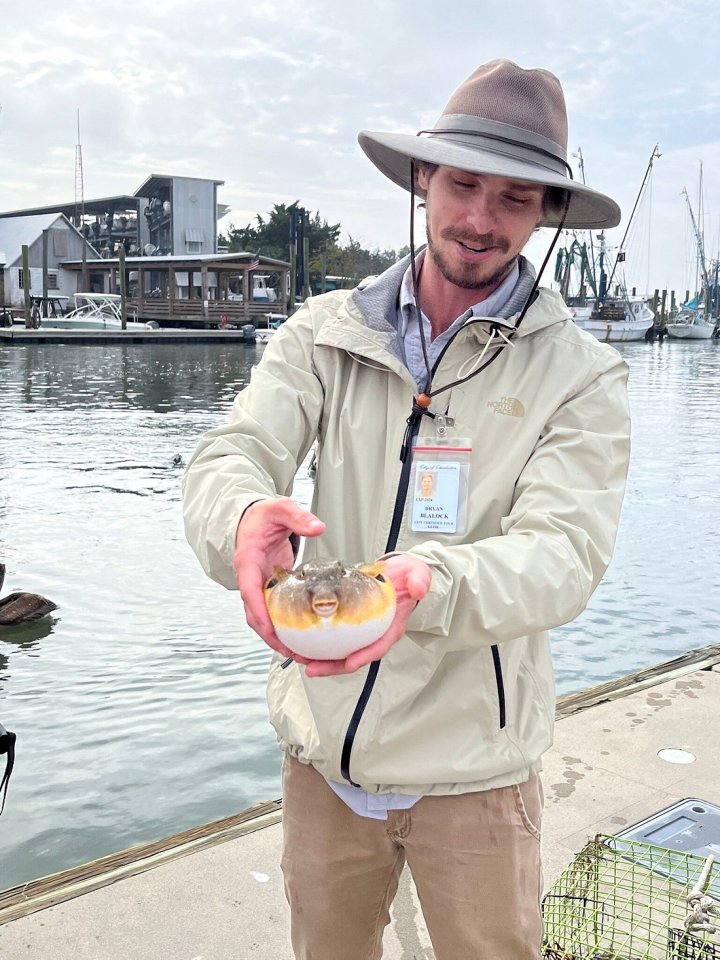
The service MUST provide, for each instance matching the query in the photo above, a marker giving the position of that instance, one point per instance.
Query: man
(425, 747)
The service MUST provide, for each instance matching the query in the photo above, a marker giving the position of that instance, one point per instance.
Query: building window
(194, 246)
(52, 279)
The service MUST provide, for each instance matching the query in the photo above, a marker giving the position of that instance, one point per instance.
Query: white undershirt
(376, 805)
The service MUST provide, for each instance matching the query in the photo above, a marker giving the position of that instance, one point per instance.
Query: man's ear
(422, 178)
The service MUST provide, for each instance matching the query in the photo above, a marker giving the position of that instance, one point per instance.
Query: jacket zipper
(413, 426)
(497, 663)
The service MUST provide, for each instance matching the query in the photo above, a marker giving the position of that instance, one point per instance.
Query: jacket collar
(368, 319)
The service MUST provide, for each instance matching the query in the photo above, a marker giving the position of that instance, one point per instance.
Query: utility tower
(80, 207)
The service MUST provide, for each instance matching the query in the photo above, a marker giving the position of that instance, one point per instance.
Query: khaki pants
(475, 860)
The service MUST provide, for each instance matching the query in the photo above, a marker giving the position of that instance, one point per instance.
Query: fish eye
(380, 577)
(272, 582)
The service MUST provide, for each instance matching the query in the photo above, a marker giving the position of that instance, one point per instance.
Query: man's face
(477, 224)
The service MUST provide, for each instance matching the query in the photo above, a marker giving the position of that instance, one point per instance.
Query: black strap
(7, 745)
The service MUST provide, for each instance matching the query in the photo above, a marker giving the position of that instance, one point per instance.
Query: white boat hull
(79, 323)
(616, 332)
(691, 331)
(94, 311)
(636, 323)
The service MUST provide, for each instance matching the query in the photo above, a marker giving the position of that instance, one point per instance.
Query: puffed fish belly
(334, 641)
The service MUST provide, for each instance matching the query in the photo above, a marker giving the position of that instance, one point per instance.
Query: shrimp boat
(605, 310)
(94, 311)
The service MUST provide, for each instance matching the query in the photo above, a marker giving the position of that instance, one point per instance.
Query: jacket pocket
(499, 683)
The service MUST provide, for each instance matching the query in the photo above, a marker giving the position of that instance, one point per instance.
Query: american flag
(254, 263)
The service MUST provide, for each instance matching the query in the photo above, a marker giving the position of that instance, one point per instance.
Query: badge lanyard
(440, 472)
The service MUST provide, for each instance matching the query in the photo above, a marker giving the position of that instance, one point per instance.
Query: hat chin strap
(533, 289)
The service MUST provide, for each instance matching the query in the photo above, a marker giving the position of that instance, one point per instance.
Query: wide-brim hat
(507, 122)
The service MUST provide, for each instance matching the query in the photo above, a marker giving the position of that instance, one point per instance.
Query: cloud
(270, 97)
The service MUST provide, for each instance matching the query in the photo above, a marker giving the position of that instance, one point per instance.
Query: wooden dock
(11, 336)
(216, 892)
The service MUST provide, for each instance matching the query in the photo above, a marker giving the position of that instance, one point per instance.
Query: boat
(272, 324)
(694, 319)
(608, 312)
(691, 323)
(261, 292)
(94, 311)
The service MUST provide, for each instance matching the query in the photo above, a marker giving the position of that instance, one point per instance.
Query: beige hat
(503, 121)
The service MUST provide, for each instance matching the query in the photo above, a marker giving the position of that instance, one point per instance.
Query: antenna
(79, 182)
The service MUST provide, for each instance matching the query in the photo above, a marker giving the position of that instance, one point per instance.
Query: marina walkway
(217, 894)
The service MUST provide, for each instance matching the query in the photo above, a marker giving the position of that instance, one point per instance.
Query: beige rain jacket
(465, 701)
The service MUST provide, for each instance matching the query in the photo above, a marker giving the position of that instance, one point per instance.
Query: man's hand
(411, 578)
(262, 542)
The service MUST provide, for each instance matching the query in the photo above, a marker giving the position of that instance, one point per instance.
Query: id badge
(440, 483)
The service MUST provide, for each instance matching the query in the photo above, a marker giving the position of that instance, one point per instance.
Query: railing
(159, 308)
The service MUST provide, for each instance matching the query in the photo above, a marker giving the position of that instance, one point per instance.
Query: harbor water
(139, 705)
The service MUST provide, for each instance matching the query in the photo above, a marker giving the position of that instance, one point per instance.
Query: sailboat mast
(698, 237)
(620, 257)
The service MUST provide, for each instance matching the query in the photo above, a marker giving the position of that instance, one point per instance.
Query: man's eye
(463, 183)
(518, 201)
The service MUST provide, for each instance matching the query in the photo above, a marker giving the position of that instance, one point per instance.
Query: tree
(270, 236)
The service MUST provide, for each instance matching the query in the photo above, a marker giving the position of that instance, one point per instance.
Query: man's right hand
(262, 542)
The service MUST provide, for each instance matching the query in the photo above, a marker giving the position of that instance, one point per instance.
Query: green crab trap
(620, 899)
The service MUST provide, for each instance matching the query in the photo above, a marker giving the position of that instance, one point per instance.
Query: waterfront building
(168, 231)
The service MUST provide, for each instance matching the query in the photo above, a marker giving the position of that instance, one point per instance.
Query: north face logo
(509, 406)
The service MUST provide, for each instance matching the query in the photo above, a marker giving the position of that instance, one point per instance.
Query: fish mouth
(325, 606)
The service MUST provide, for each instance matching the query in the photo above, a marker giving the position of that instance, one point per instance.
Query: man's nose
(481, 214)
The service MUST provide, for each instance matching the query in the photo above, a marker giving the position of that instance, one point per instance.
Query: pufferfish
(325, 609)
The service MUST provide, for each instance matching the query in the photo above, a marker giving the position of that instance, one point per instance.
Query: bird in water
(325, 609)
(22, 607)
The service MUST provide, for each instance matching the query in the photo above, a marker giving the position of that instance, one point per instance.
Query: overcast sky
(270, 96)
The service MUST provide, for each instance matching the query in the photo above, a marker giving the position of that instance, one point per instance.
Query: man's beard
(463, 274)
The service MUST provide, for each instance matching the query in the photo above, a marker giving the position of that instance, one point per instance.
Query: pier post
(44, 311)
(306, 268)
(204, 290)
(26, 282)
(123, 288)
(293, 276)
(171, 292)
(246, 294)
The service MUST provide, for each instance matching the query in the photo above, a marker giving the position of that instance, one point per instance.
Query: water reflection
(140, 706)
(152, 377)
(27, 636)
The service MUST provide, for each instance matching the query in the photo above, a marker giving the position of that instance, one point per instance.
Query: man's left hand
(411, 579)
